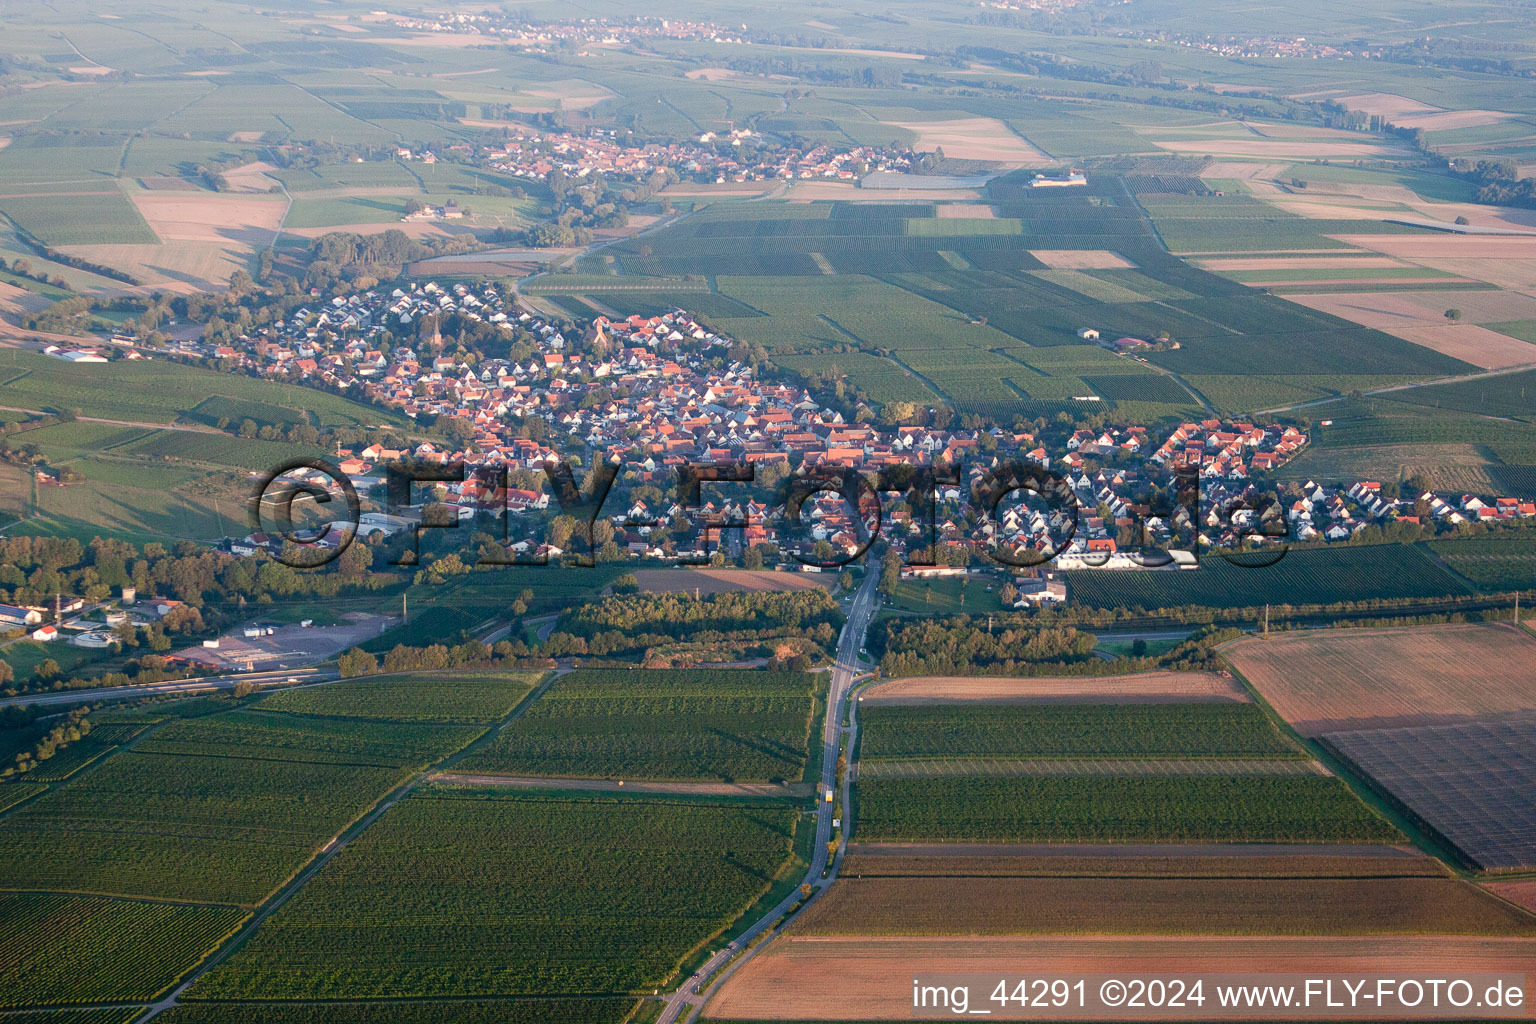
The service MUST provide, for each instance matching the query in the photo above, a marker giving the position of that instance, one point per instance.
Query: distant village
(655, 393)
(540, 37)
(533, 154)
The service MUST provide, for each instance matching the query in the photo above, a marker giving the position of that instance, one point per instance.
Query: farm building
(1088, 334)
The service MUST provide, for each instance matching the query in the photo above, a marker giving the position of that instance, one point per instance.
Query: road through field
(680, 1004)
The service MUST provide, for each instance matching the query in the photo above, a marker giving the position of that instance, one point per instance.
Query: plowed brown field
(806, 978)
(1332, 680)
(1147, 688)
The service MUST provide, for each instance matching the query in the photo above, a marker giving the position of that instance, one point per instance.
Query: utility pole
(1266, 618)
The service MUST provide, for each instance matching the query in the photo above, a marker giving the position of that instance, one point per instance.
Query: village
(529, 153)
(655, 393)
(540, 37)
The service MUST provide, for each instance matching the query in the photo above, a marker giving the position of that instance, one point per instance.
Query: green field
(1327, 575)
(946, 595)
(78, 949)
(1501, 562)
(1099, 731)
(1115, 809)
(736, 726)
(218, 809)
(461, 894)
(159, 391)
(457, 697)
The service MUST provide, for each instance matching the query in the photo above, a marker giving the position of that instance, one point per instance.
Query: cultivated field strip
(1087, 766)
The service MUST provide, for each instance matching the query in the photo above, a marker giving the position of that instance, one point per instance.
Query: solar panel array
(1474, 783)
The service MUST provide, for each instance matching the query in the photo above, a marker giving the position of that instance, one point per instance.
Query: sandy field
(19, 300)
(1391, 311)
(961, 211)
(1514, 274)
(1333, 680)
(1411, 113)
(1081, 259)
(175, 266)
(5, 140)
(1147, 688)
(871, 978)
(1420, 248)
(973, 138)
(1300, 263)
(212, 218)
(719, 581)
(1302, 281)
(1471, 344)
(615, 786)
(252, 177)
(1275, 149)
(1243, 171)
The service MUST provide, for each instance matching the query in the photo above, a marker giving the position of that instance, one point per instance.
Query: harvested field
(1300, 263)
(964, 211)
(1147, 688)
(1282, 149)
(212, 218)
(973, 138)
(1445, 246)
(1388, 310)
(1081, 259)
(753, 789)
(1244, 171)
(1332, 680)
(1471, 344)
(810, 978)
(720, 581)
(1003, 905)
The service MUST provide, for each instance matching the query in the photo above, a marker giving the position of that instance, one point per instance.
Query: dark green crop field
(1108, 730)
(1305, 576)
(460, 894)
(424, 697)
(218, 809)
(57, 949)
(1116, 809)
(659, 724)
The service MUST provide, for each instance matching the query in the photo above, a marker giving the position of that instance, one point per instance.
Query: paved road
(847, 668)
(220, 682)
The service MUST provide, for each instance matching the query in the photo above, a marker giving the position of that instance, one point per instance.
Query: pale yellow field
(1081, 259)
(973, 138)
(1471, 344)
(208, 217)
